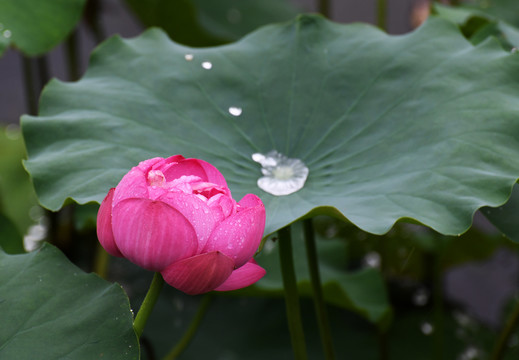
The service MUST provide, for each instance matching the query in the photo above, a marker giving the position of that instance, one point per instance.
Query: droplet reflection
(207, 65)
(282, 175)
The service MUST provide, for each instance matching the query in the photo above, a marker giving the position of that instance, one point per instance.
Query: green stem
(72, 52)
(191, 330)
(30, 87)
(101, 261)
(295, 325)
(148, 304)
(504, 337)
(381, 14)
(438, 306)
(324, 8)
(320, 306)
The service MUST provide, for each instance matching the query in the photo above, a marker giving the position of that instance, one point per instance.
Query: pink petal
(152, 234)
(199, 274)
(242, 277)
(150, 164)
(104, 225)
(205, 171)
(201, 216)
(132, 185)
(240, 234)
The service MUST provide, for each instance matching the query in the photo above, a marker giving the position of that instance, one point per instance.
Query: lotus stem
(147, 305)
(191, 330)
(315, 279)
(324, 8)
(504, 337)
(295, 325)
(101, 260)
(381, 14)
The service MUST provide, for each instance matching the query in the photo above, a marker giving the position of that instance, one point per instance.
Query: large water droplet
(235, 111)
(426, 328)
(282, 175)
(207, 65)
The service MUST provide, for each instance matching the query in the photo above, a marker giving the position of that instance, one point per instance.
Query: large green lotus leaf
(52, 310)
(36, 26)
(362, 291)
(210, 22)
(390, 127)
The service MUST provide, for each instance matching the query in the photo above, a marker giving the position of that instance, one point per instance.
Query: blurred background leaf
(35, 26)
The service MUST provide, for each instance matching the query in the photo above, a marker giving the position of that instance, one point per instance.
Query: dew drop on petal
(207, 65)
(281, 175)
(426, 328)
(235, 111)
(188, 57)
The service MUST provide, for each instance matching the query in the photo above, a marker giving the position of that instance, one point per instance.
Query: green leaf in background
(477, 24)
(17, 198)
(390, 127)
(361, 291)
(36, 26)
(507, 10)
(211, 22)
(11, 241)
(52, 310)
(505, 217)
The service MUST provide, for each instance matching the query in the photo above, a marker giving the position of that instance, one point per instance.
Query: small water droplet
(235, 111)
(421, 297)
(372, 259)
(426, 328)
(282, 175)
(230, 246)
(7, 34)
(188, 57)
(207, 65)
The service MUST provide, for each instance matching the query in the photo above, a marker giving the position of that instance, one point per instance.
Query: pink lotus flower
(176, 216)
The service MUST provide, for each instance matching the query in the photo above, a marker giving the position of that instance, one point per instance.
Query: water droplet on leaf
(282, 175)
(7, 34)
(235, 111)
(188, 57)
(207, 65)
